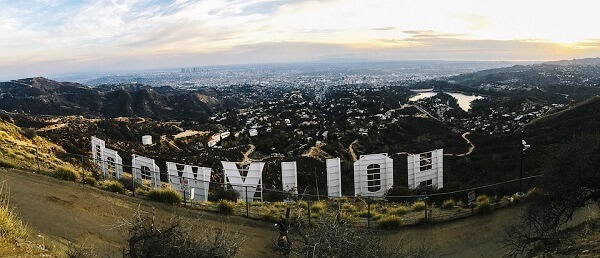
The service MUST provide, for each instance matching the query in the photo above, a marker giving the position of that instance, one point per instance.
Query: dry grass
(166, 195)
(11, 227)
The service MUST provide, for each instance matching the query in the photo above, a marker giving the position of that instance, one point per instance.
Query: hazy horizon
(43, 37)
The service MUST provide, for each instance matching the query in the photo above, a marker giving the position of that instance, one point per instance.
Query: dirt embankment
(71, 212)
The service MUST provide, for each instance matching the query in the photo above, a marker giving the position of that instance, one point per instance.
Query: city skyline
(50, 36)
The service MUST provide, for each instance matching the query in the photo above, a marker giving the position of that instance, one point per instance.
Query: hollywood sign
(373, 174)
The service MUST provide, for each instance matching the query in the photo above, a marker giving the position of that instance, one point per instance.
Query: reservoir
(464, 101)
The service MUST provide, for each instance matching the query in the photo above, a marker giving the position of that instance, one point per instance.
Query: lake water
(464, 101)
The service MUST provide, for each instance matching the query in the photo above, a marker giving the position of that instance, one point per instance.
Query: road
(68, 211)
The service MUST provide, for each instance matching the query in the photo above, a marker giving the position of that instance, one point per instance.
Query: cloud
(384, 28)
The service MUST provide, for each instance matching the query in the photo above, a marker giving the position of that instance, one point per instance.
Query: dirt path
(67, 211)
(246, 154)
(469, 151)
(351, 150)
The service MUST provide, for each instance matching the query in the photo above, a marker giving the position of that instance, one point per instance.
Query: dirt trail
(246, 154)
(351, 150)
(85, 215)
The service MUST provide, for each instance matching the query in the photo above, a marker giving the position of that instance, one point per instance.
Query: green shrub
(401, 210)
(348, 207)
(6, 164)
(112, 186)
(365, 214)
(317, 207)
(29, 133)
(418, 206)
(88, 180)
(166, 195)
(226, 207)
(222, 194)
(390, 222)
(64, 173)
(303, 205)
(127, 183)
(449, 204)
(484, 203)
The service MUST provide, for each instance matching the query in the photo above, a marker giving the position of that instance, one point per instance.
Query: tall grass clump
(317, 207)
(112, 186)
(418, 206)
(390, 222)
(11, 227)
(449, 204)
(64, 173)
(401, 210)
(348, 207)
(484, 203)
(166, 195)
(6, 164)
(226, 207)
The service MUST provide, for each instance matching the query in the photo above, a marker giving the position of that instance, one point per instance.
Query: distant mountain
(42, 96)
(584, 61)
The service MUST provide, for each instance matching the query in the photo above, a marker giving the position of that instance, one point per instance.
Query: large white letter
(334, 177)
(98, 146)
(112, 164)
(289, 177)
(251, 181)
(373, 175)
(187, 177)
(145, 169)
(426, 169)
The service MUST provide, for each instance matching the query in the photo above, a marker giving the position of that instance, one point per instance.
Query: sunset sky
(39, 37)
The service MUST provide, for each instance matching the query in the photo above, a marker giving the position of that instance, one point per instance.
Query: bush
(533, 193)
(484, 204)
(226, 207)
(90, 181)
(127, 183)
(365, 214)
(222, 194)
(348, 207)
(112, 186)
(400, 210)
(166, 195)
(317, 207)
(303, 205)
(150, 239)
(449, 204)
(64, 173)
(418, 206)
(29, 133)
(390, 222)
(270, 215)
(6, 164)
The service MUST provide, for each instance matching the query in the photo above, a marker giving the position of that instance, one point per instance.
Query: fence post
(309, 210)
(133, 181)
(247, 204)
(368, 212)
(426, 205)
(37, 159)
(82, 170)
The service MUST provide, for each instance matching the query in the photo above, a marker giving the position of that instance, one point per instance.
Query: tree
(571, 180)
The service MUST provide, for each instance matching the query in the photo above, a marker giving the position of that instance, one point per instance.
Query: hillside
(42, 96)
(18, 148)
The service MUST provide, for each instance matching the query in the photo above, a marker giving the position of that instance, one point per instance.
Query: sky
(41, 37)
